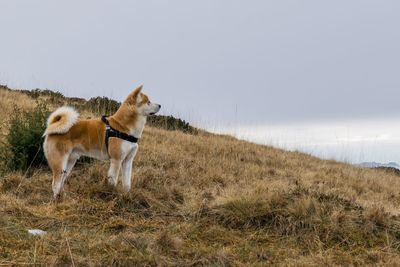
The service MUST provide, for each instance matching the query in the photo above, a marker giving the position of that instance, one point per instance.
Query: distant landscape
(199, 199)
(377, 165)
(352, 141)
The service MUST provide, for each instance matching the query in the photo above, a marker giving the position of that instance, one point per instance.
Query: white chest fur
(139, 127)
(128, 148)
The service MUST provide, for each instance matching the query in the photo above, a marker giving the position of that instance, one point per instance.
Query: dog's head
(141, 103)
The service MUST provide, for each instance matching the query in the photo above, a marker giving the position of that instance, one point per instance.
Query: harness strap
(111, 132)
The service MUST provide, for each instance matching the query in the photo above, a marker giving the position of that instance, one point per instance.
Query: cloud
(350, 140)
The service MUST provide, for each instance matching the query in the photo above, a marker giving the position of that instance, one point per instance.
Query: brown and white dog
(67, 138)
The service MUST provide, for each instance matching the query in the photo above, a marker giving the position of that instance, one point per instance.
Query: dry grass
(9, 100)
(205, 200)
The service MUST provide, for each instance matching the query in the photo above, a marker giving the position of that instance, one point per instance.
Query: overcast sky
(212, 60)
(328, 72)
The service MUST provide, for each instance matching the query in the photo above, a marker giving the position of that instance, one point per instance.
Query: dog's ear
(132, 97)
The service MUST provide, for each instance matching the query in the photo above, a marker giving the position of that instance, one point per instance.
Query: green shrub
(171, 123)
(24, 139)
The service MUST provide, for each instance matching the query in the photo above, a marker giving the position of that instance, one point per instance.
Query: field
(201, 199)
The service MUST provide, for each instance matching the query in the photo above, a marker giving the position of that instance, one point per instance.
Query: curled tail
(61, 120)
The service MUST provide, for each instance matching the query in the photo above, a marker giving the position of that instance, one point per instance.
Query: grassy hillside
(203, 200)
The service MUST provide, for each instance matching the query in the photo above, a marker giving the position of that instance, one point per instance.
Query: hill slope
(205, 200)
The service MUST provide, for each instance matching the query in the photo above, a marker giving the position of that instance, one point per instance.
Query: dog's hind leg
(59, 175)
(73, 157)
(113, 172)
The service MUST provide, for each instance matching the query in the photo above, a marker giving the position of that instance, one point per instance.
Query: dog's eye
(148, 103)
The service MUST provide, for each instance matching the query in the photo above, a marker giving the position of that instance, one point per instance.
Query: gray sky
(212, 60)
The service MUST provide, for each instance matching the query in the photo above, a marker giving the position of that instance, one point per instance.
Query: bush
(24, 140)
(171, 123)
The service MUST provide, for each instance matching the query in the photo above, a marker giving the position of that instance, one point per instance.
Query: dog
(67, 138)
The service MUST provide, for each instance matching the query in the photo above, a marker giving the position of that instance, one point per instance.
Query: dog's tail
(61, 120)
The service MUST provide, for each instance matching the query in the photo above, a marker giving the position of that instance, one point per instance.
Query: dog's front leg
(113, 172)
(127, 170)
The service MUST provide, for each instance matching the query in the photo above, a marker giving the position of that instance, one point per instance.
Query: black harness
(111, 132)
